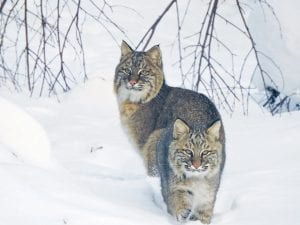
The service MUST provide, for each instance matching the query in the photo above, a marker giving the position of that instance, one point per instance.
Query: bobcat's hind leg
(149, 153)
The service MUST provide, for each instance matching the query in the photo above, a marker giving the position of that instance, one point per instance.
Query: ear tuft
(155, 55)
(214, 130)
(180, 129)
(125, 49)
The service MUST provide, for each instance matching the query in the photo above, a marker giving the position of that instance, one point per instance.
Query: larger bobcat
(148, 106)
(178, 132)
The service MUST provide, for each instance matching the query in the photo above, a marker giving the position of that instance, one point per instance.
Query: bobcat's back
(193, 108)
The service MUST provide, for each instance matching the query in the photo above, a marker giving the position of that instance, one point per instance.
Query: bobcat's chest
(138, 120)
(127, 109)
(203, 191)
(128, 120)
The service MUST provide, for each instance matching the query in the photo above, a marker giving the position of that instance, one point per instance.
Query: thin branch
(152, 29)
(2, 5)
(27, 48)
(207, 35)
(252, 42)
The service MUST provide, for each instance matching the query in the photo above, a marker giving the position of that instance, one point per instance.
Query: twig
(152, 29)
(2, 5)
(27, 48)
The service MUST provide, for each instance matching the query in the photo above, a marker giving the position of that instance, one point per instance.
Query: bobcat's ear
(214, 130)
(180, 129)
(125, 49)
(155, 54)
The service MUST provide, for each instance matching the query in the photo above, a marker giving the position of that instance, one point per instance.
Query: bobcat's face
(194, 153)
(139, 75)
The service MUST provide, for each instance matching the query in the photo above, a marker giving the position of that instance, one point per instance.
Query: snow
(96, 176)
(66, 160)
(93, 183)
(276, 34)
(32, 145)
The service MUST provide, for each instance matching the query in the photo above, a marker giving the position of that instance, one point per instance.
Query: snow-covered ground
(86, 172)
(66, 160)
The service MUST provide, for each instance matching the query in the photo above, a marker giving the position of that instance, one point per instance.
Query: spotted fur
(190, 163)
(173, 130)
(148, 105)
(145, 69)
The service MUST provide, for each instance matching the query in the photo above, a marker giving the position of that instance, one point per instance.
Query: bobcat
(178, 132)
(148, 106)
(190, 163)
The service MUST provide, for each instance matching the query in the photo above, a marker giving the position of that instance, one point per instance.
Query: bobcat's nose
(132, 82)
(196, 164)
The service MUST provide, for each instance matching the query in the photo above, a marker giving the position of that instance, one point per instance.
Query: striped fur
(168, 125)
(141, 67)
(190, 163)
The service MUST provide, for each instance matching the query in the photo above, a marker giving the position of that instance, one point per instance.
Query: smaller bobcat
(190, 163)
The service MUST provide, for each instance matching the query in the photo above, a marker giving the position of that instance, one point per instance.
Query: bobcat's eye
(189, 152)
(204, 153)
(125, 72)
(128, 72)
(143, 74)
(122, 74)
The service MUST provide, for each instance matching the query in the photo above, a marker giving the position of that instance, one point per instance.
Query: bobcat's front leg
(203, 214)
(180, 205)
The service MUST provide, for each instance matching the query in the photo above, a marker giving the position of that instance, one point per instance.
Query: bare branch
(152, 29)
(27, 47)
(2, 5)
(41, 28)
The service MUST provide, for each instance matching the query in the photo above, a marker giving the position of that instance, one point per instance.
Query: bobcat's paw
(183, 215)
(205, 218)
